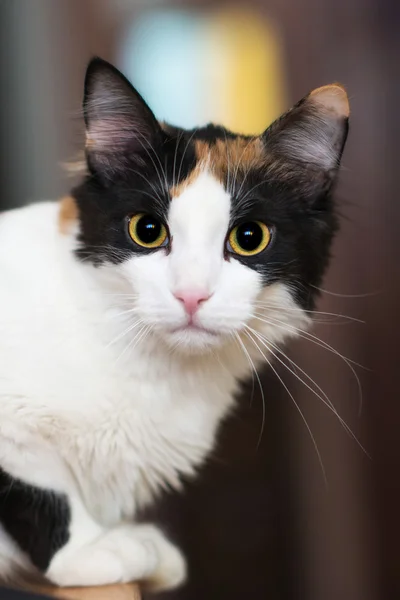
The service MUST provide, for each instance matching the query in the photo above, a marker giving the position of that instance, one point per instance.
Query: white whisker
(124, 333)
(149, 183)
(308, 312)
(254, 372)
(238, 164)
(324, 398)
(228, 176)
(178, 141)
(296, 404)
(124, 312)
(318, 342)
(135, 340)
(337, 295)
(146, 146)
(243, 205)
(251, 190)
(184, 152)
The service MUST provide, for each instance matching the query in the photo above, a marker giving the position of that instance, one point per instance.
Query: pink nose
(191, 300)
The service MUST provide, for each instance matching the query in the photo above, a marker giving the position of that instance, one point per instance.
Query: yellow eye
(249, 239)
(147, 231)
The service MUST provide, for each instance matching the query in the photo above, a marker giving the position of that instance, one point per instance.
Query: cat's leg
(45, 526)
(95, 556)
(53, 532)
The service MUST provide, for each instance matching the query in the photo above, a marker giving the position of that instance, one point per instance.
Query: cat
(131, 310)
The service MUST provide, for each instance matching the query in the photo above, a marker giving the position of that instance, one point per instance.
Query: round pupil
(249, 236)
(148, 229)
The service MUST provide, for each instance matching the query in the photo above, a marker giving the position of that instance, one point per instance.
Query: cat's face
(206, 233)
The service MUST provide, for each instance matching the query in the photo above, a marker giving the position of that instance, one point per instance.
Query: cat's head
(204, 233)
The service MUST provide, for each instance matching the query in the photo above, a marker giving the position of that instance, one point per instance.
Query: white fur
(110, 416)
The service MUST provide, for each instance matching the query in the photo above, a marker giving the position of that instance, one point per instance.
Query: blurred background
(261, 522)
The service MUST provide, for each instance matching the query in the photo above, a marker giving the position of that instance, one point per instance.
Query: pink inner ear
(113, 134)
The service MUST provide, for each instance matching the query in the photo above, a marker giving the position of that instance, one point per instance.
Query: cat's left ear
(120, 127)
(311, 136)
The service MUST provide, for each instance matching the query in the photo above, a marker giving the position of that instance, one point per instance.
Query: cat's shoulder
(43, 212)
(29, 237)
(35, 222)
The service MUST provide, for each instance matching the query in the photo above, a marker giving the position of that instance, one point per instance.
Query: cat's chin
(194, 339)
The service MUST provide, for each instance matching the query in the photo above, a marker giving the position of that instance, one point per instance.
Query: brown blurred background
(260, 522)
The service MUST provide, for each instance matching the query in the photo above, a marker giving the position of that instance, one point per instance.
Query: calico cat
(131, 310)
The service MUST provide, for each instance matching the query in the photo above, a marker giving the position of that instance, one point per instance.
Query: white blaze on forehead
(198, 222)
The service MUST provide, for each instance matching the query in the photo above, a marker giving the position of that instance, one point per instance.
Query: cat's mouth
(194, 328)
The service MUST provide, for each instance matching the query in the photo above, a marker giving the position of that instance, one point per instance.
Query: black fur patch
(211, 133)
(36, 519)
(301, 234)
(105, 208)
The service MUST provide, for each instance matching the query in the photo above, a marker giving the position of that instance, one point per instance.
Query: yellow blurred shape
(246, 57)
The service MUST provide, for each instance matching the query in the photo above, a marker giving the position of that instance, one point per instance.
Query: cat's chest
(143, 435)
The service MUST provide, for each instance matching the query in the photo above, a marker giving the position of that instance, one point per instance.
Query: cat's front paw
(115, 557)
(124, 554)
(171, 570)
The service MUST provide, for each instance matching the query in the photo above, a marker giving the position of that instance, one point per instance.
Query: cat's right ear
(120, 127)
(311, 136)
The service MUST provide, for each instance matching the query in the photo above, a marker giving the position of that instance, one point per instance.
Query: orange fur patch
(177, 190)
(224, 159)
(68, 214)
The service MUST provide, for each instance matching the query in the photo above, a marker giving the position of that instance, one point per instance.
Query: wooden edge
(107, 592)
